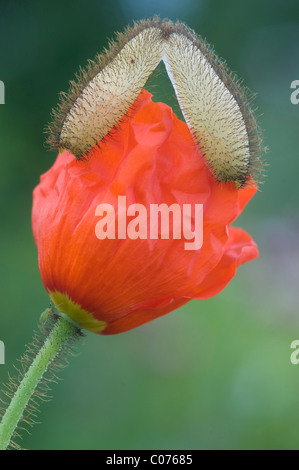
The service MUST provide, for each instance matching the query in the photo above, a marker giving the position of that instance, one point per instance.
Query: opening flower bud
(126, 277)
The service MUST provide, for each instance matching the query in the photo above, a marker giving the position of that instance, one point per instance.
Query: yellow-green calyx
(76, 313)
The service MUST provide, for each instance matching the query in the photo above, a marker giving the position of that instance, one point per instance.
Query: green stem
(62, 332)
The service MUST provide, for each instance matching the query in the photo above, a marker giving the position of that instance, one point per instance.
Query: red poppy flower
(112, 285)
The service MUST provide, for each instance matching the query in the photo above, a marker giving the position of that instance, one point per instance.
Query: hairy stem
(62, 332)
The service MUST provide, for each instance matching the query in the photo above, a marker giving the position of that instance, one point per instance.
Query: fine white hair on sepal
(209, 108)
(215, 105)
(109, 95)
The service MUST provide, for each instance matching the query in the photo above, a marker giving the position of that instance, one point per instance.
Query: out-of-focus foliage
(216, 373)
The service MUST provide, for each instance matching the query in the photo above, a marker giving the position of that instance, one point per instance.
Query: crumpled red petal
(151, 158)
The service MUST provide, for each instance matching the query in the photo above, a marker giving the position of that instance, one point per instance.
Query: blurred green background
(215, 374)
